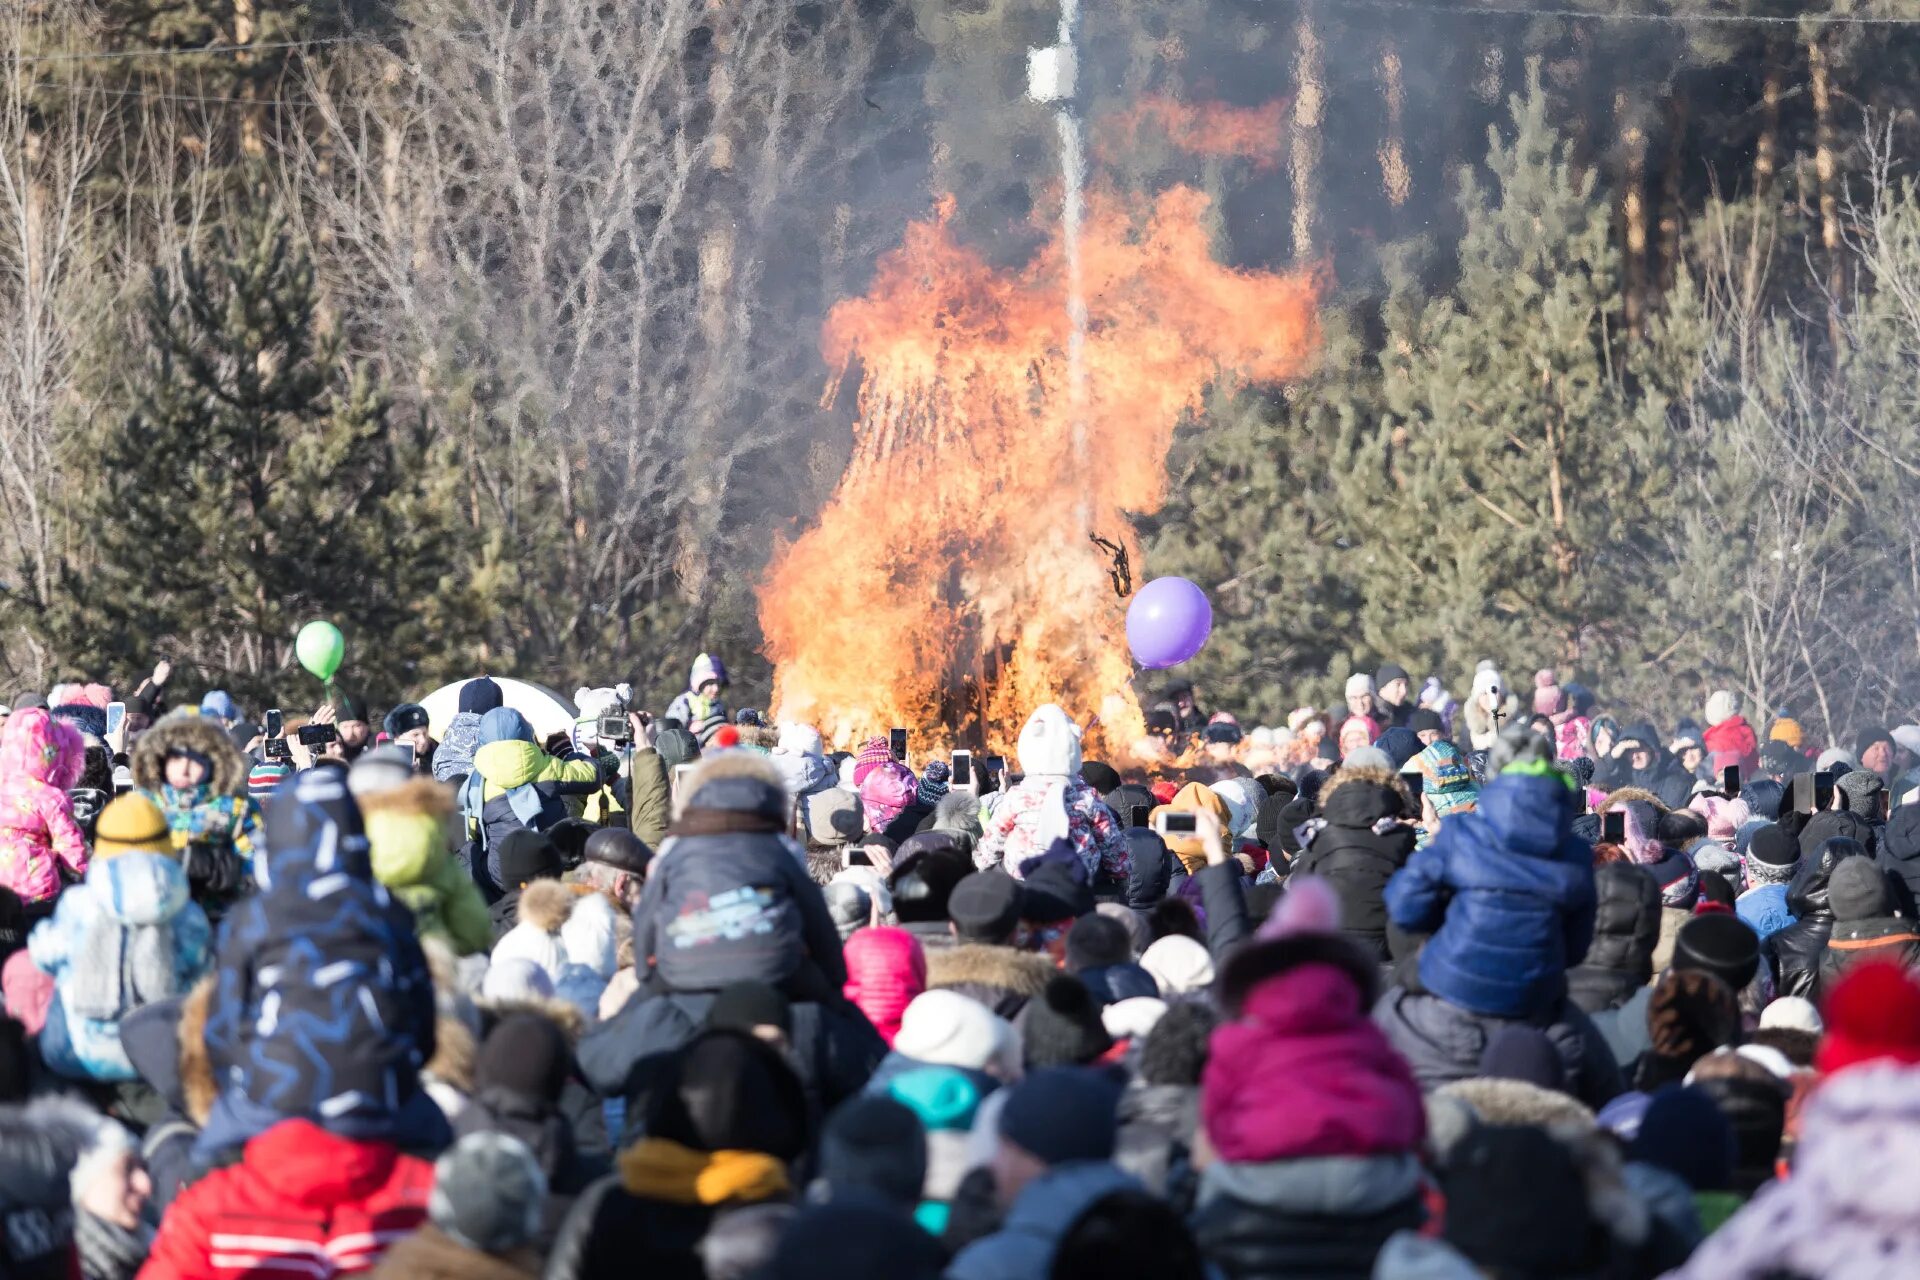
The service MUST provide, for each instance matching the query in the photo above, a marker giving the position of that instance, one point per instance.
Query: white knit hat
(1132, 1018)
(1794, 1013)
(1358, 683)
(1179, 964)
(947, 1029)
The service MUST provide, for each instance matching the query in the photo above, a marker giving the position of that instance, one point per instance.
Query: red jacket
(1732, 742)
(302, 1202)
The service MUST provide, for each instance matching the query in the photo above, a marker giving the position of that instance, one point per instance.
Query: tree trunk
(1395, 177)
(1309, 106)
(1825, 168)
(253, 112)
(1671, 214)
(1766, 163)
(1633, 208)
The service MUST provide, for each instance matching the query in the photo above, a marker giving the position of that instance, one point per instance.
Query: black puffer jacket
(1626, 929)
(1899, 854)
(1328, 1231)
(1795, 951)
(1356, 859)
(1837, 824)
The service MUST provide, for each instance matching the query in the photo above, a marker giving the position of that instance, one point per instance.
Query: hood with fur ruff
(189, 729)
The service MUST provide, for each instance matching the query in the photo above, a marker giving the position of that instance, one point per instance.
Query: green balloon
(320, 647)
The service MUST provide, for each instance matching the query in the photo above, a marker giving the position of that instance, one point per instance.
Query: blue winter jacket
(1764, 908)
(1023, 1247)
(1507, 892)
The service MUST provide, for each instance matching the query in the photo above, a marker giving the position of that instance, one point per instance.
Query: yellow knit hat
(1787, 731)
(131, 824)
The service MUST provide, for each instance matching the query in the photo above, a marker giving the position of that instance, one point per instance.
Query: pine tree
(257, 484)
(1510, 491)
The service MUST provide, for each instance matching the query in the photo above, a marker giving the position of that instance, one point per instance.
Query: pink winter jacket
(40, 758)
(886, 969)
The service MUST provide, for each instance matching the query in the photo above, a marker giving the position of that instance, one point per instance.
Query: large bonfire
(950, 581)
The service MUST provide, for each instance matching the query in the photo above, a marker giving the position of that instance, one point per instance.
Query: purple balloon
(1168, 622)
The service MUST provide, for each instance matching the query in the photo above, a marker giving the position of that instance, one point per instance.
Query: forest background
(492, 331)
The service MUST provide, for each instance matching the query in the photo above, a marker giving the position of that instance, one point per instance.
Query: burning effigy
(951, 579)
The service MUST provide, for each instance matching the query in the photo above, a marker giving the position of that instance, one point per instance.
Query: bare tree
(589, 229)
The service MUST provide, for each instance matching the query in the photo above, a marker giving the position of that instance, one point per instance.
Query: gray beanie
(488, 1193)
(850, 906)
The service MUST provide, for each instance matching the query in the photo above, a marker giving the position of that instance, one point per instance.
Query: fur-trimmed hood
(561, 1013)
(431, 1254)
(546, 905)
(1370, 793)
(1023, 973)
(728, 765)
(406, 830)
(188, 728)
(1519, 1102)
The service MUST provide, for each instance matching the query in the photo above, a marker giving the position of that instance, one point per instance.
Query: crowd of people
(1409, 989)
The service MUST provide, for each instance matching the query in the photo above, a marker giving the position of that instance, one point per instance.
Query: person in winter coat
(1729, 739)
(721, 1132)
(519, 1074)
(515, 785)
(1772, 858)
(570, 937)
(801, 758)
(1898, 852)
(186, 765)
(1639, 760)
(985, 965)
(454, 759)
(1866, 925)
(1847, 1210)
(325, 1007)
(1314, 1120)
(1365, 842)
(1160, 1111)
(1051, 803)
(300, 1197)
(1626, 926)
(728, 898)
(1507, 891)
(886, 969)
(166, 1042)
(1053, 1159)
(1487, 709)
(483, 1219)
(40, 760)
(1795, 952)
(701, 710)
(42, 1147)
(407, 835)
(127, 935)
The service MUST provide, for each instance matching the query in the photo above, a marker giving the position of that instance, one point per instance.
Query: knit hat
(945, 1028)
(1684, 1132)
(219, 704)
(850, 905)
(525, 1054)
(1097, 941)
(348, 706)
(1448, 779)
(1517, 1203)
(986, 906)
(848, 1238)
(1795, 1013)
(1175, 1051)
(378, 770)
(1103, 778)
(933, 783)
(1788, 731)
(1833, 757)
(676, 747)
(1061, 1027)
(1110, 984)
(1133, 1018)
(1426, 720)
(1359, 683)
(526, 856)
(1722, 705)
(1179, 964)
(875, 1146)
(1858, 890)
(1387, 674)
(264, 777)
(746, 1006)
(834, 817)
(1872, 1015)
(1060, 1115)
(1055, 891)
(1772, 855)
(516, 980)
(481, 696)
(1862, 789)
(131, 824)
(1519, 1052)
(1722, 944)
(405, 718)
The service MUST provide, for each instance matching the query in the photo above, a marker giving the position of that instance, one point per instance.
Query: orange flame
(951, 536)
(1199, 128)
